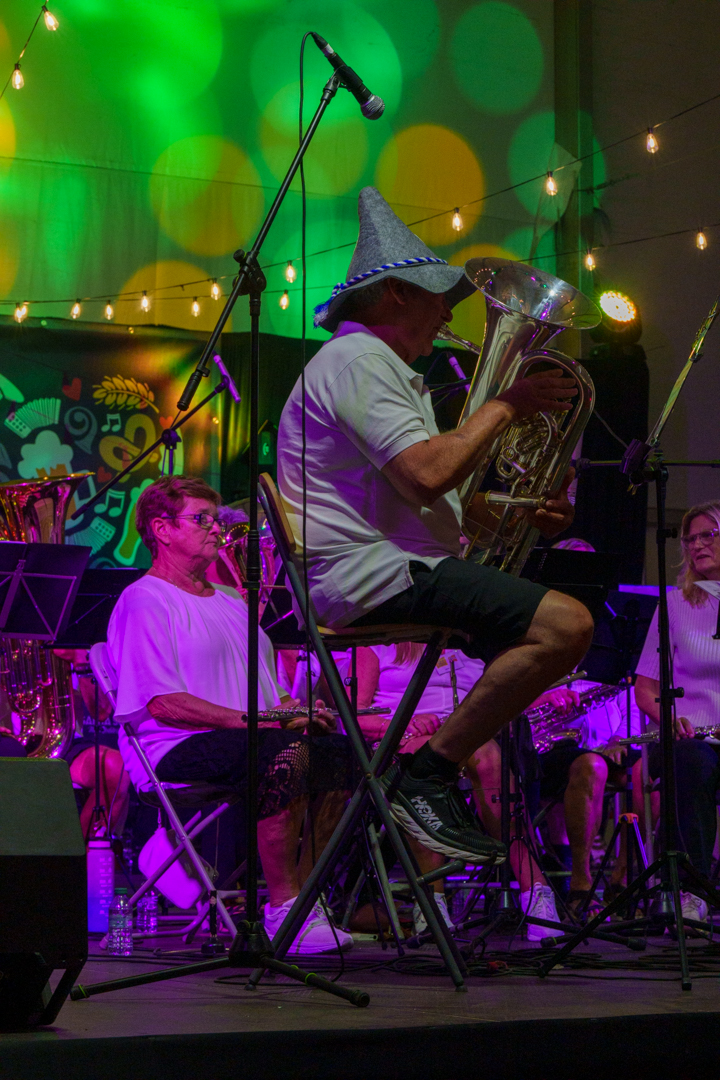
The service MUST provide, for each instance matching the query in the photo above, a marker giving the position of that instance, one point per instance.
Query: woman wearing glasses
(179, 645)
(694, 615)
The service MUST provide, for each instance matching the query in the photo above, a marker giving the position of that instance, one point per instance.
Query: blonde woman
(694, 616)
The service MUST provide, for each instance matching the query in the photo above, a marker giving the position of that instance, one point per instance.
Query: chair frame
(105, 677)
(369, 790)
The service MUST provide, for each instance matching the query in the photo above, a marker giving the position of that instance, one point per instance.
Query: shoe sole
(345, 947)
(435, 844)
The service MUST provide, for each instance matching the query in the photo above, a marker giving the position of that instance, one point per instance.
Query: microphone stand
(251, 947)
(643, 464)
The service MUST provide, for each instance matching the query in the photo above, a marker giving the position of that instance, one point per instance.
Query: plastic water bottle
(101, 884)
(120, 925)
(146, 913)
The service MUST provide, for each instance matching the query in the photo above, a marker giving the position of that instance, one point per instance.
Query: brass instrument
(38, 683)
(549, 725)
(233, 552)
(525, 309)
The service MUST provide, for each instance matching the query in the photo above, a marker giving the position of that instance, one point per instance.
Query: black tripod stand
(251, 947)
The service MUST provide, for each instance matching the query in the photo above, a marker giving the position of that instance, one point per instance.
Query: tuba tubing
(526, 308)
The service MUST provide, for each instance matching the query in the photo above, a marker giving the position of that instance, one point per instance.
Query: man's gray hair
(360, 301)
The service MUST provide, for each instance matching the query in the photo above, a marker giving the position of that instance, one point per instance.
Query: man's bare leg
(583, 813)
(558, 638)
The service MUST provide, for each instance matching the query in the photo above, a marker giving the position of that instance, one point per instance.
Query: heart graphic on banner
(165, 421)
(72, 389)
(103, 474)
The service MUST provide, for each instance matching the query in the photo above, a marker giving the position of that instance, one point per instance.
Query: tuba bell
(525, 309)
(38, 684)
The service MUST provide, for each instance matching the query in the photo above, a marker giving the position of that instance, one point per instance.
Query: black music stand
(97, 595)
(38, 585)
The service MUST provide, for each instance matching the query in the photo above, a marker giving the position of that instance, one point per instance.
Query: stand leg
(679, 922)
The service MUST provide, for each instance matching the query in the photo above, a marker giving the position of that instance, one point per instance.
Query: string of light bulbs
(16, 79)
(652, 146)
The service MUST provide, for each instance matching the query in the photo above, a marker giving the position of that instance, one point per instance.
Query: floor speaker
(43, 891)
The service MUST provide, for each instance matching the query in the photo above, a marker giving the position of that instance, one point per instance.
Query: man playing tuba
(383, 520)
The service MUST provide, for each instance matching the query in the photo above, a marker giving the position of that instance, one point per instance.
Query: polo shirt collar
(349, 327)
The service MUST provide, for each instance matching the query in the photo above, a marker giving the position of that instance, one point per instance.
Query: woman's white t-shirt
(695, 655)
(393, 680)
(163, 640)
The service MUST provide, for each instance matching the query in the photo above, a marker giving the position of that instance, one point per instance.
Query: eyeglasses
(205, 521)
(702, 538)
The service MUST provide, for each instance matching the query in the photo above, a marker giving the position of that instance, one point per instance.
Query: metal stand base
(250, 949)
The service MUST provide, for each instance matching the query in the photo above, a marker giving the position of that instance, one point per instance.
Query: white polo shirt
(695, 654)
(364, 406)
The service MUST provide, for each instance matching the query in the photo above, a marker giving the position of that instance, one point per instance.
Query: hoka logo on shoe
(426, 812)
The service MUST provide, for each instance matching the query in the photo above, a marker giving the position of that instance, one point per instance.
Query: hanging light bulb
(195, 307)
(20, 312)
(215, 290)
(284, 301)
(701, 240)
(109, 312)
(18, 79)
(50, 20)
(551, 184)
(457, 221)
(145, 302)
(651, 144)
(290, 273)
(590, 263)
(75, 309)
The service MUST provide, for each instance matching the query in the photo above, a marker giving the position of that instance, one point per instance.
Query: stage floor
(575, 1023)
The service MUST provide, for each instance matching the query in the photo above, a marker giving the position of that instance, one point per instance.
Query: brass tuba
(525, 309)
(38, 683)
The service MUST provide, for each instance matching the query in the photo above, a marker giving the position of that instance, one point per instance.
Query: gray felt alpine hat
(387, 248)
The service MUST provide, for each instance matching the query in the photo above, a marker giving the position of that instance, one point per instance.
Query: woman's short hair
(166, 498)
(687, 576)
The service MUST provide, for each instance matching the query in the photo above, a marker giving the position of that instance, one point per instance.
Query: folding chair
(324, 641)
(170, 797)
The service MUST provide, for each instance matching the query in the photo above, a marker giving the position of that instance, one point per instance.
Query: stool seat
(347, 636)
(193, 794)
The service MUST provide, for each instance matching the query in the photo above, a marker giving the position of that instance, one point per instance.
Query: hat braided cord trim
(419, 261)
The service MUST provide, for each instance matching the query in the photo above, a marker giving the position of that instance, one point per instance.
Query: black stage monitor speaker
(43, 890)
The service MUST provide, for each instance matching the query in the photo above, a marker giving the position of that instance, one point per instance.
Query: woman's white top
(163, 640)
(438, 697)
(695, 654)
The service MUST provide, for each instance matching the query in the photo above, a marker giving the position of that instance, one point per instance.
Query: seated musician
(694, 616)
(383, 674)
(179, 647)
(383, 521)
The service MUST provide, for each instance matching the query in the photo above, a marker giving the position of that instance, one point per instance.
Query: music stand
(96, 597)
(587, 575)
(38, 585)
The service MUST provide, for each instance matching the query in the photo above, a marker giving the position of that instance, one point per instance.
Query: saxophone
(38, 683)
(549, 725)
(525, 309)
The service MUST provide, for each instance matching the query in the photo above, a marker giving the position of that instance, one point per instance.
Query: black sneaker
(435, 813)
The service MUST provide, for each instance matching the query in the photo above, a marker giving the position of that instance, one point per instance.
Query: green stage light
(621, 321)
(617, 307)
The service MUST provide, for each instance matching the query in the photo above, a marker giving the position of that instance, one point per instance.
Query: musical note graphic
(114, 500)
(112, 423)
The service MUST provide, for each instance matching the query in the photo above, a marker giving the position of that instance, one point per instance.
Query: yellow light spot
(18, 80)
(109, 312)
(617, 307)
(284, 301)
(75, 310)
(408, 176)
(651, 144)
(551, 184)
(50, 20)
(206, 194)
(701, 240)
(20, 312)
(290, 273)
(590, 263)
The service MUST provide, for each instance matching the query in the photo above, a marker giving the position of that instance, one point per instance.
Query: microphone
(370, 104)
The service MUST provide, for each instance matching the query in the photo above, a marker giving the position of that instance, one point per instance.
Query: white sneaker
(316, 934)
(693, 907)
(540, 902)
(419, 920)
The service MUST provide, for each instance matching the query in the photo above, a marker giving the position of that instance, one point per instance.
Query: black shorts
(556, 762)
(495, 609)
(289, 764)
